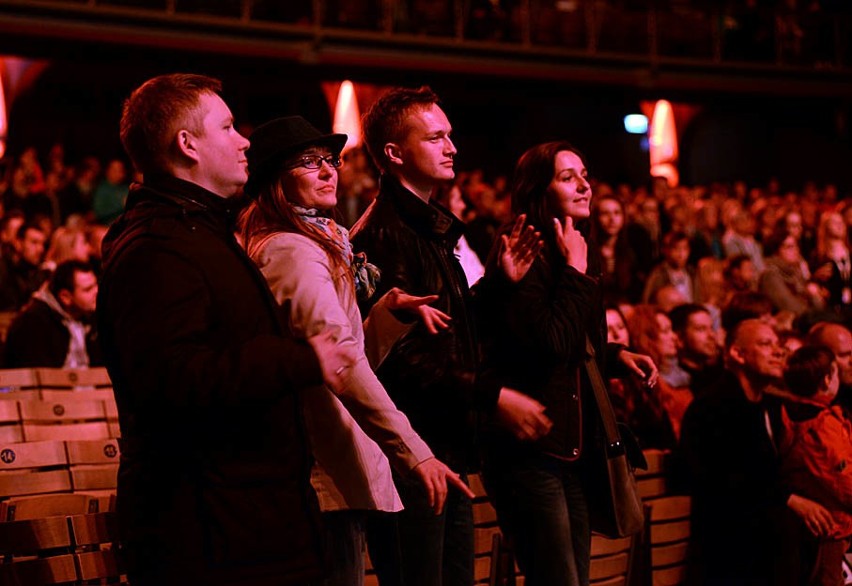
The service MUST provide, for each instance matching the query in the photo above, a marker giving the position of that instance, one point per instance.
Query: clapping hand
(519, 249)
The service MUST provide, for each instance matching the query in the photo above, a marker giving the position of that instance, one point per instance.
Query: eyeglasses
(315, 162)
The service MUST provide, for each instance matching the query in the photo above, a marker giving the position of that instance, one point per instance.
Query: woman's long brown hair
(270, 212)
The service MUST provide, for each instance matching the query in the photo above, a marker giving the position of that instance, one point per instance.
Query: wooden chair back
(49, 539)
(668, 538)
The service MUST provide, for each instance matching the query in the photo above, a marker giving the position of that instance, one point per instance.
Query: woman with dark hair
(537, 343)
(621, 274)
(309, 265)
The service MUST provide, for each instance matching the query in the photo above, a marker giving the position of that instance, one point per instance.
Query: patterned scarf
(365, 275)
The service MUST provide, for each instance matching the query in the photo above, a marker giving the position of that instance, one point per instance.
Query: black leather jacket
(433, 379)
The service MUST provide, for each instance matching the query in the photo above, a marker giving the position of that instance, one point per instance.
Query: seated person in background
(20, 273)
(697, 349)
(67, 244)
(651, 333)
(54, 329)
(673, 269)
(786, 280)
(790, 341)
(11, 221)
(739, 239)
(747, 305)
(635, 404)
(839, 340)
(667, 298)
(740, 275)
(744, 526)
(816, 453)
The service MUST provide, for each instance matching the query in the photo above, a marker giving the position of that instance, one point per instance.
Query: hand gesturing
(519, 249)
(571, 244)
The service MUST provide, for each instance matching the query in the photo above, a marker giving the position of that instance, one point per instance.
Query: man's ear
(65, 298)
(185, 143)
(393, 153)
(736, 354)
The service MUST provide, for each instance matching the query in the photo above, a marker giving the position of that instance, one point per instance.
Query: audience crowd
(742, 296)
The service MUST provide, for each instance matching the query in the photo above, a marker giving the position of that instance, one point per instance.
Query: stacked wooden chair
(58, 469)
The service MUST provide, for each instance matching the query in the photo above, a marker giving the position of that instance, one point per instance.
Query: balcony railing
(528, 33)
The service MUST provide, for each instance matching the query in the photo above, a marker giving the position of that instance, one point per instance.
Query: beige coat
(352, 470)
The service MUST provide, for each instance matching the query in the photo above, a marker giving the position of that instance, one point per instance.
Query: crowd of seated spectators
(53, 217)
(658, 246)
(682, 269)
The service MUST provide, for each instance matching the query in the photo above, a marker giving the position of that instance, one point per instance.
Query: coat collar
(190, 197)
(428, 218)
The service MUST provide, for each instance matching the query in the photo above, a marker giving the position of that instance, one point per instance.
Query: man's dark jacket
(740, 522)
(37, 337)
(213, 485)
(431, 378)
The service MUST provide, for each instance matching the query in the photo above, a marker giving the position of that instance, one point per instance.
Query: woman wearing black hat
(308, 261)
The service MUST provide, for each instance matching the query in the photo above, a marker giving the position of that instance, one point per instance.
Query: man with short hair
(214, 485)
(433, 379)
(20, 273)
(697, 348)
(743, 532)
(839, 340)
(54, 329)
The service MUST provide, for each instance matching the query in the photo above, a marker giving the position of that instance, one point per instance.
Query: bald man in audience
(747, 528)
(839, 340)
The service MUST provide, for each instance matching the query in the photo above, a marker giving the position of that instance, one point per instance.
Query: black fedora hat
(283, 137)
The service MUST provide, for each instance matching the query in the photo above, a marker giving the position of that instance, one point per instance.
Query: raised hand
(571, 244)
(434, 319)
(519, 249)
(436, 476)
(522, 415)
(336, 360)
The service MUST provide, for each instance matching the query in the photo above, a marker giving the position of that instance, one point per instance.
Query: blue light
(636, 124)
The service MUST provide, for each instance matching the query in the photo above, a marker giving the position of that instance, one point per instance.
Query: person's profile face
(426, 153)
(699, 337)
(221, 150)
(833, 385)
(760, 351)
(311, 188)
(569, 192)
(666, 339)
(615, 329)
(85, 295)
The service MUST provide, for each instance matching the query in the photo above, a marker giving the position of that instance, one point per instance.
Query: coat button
(576, 451)
(575, 396)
